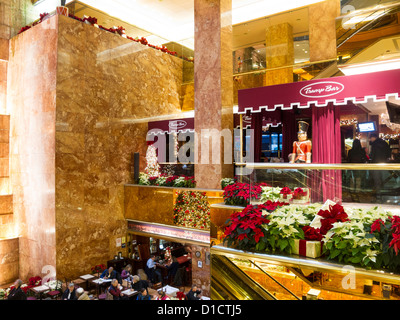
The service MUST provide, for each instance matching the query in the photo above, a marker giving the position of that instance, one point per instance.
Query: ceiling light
(368, 67)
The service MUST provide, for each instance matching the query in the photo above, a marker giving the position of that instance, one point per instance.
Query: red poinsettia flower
(395, 243)
(286, 190)
(312, 234)
(376, 225)
(335, 213)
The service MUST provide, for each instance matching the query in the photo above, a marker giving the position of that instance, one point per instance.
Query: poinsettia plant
(312, 234)
(299, 193)
(285, 191)
(240, 194)
(270, 193)
(192, 209)
(387, 231)
(227, 181)
(98, 268)
(334, 214)
(244, 228)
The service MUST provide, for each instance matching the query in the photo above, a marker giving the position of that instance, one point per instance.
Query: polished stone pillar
(213, 97)
(279, 53)
(322, 29)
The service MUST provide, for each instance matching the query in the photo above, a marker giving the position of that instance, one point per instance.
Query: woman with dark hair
(357, 154)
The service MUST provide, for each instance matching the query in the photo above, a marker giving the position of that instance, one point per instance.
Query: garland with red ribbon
(118, 30)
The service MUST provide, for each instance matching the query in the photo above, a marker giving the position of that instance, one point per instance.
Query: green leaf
(261, 246)
(356, 259)
(283, 244)
(271, 241)
(334, 253)
(342, 245)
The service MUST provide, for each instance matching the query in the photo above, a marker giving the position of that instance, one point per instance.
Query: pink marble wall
(106, 86)
(213, 84)
(31, 88)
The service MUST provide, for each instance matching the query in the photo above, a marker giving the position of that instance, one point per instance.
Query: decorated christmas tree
(152, 167)
(192, 210)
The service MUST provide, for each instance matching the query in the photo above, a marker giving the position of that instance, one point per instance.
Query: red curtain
(326, 148)
(256, 125)
(289, 133)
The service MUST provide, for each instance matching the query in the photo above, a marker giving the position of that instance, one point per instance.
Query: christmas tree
(192, 210)
(153, 168)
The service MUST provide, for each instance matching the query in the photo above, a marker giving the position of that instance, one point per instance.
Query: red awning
(172, 125)
(377, 86)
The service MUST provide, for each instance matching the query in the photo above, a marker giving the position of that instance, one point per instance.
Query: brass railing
(321, 166)
(303, 262)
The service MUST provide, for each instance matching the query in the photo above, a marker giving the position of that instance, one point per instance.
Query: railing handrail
(320, 166)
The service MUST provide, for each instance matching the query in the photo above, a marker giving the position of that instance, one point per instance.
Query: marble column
(279, 53)
(213, 84)
(322, 29)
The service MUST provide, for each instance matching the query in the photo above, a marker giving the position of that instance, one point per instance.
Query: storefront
(181, 253)
(322, 103)
(312, 235)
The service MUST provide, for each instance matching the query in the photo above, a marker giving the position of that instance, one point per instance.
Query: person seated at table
(155, 275)
(109, 273)
(143, 295)
(81, 294)
(194, 293)
(172, 267)
(115, 291)
(69, 293)
(163, 296)
(126, 274)
(17, 293)
(137, 284)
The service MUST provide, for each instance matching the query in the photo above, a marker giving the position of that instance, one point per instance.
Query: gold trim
(321, 166)
(302, 262)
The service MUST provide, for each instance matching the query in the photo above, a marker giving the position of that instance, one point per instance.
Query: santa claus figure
(302, 147)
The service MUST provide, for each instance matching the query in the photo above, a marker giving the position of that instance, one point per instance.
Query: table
(40, 290)
(99, 283)
(169, 291)
(183, 259)
(87, 277)
(129, 293)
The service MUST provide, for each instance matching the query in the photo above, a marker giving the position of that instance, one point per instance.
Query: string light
(348, 122)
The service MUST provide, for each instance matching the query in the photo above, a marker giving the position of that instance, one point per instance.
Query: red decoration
(335, 213)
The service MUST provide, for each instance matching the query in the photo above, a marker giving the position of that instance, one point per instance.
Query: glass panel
(351, 187)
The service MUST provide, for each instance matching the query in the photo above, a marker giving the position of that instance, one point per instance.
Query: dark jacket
(65, 295)
(357, 156)
(380, 151)
(140, 285)
(193, 295)
(142, 297)
(173, 268)
(16, 294)
(107, 274)
(115, 292)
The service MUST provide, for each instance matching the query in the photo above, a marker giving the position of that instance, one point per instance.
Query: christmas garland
(118, 30)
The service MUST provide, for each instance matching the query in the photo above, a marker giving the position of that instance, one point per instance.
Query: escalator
(229, 282)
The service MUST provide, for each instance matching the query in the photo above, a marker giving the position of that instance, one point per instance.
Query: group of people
(154, 274)
(114, 291)
(380, 153)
